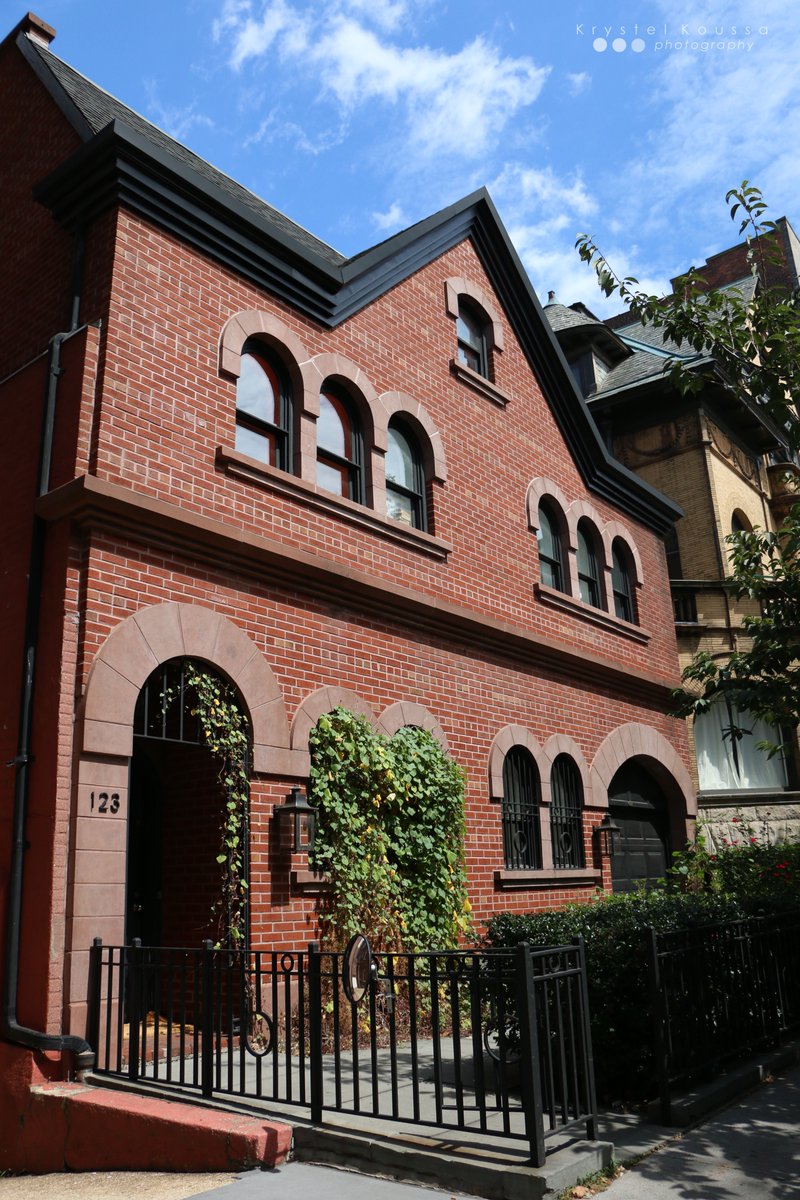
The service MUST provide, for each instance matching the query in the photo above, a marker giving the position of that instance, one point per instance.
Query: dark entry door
(636, 804)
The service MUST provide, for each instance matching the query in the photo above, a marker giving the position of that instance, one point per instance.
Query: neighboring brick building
(407, 511)
(728, 466)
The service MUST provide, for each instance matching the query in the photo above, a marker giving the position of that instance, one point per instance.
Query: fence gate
(491, 1040)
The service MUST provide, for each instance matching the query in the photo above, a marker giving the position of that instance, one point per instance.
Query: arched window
(340, 453)
(264, 416)
(522, 841)
(473, 350)
(589, 584)
(405, 478)
(740, 523)
(566, 813)
(552, 571)
(622, 581)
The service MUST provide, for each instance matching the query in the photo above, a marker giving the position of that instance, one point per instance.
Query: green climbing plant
(225, 731)
(390, 835)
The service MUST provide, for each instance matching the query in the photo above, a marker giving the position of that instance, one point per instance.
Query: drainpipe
(10, 1028)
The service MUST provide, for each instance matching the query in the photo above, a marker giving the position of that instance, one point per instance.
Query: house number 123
(105, 802)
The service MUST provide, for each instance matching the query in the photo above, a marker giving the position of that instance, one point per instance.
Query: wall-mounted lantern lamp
(608, 834)
(300, 818)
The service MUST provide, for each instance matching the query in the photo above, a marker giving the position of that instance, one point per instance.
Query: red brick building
(366, 481)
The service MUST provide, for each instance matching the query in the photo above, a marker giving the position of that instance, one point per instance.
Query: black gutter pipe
(10, 1028)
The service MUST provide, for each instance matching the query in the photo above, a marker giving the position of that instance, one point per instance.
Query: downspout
(10, 1028)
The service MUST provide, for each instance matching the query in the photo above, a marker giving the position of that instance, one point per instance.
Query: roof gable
(127, 161)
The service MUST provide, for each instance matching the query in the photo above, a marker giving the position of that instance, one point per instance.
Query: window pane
(588, 576)
(548, 542)
(399, 507)
(257, 445)
(257, 392)
(332, 433)
(727, 763)
(400, 461)
(333, 478)
(520, 811)
(621, 582)
(566, 814)
(468, 330)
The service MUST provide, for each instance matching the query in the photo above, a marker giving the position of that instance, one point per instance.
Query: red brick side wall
(166, 408)
(34, 139)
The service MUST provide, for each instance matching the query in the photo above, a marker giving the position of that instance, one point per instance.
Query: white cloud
(452, 104)
(390, 221)
(176, 121)
(578, 82)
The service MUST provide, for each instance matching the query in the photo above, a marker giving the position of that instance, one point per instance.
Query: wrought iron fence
(496, 1041)
(719, 991)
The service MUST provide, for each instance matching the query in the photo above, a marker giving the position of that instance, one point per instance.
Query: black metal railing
(720, 991)
(493, 1040)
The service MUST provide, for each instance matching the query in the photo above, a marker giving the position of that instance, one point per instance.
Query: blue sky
(628, 120)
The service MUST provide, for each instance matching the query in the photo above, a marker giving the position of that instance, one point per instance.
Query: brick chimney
(36, 29)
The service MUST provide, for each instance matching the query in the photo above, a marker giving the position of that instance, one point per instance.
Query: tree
(751, 345)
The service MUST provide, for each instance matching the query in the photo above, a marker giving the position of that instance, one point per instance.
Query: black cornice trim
(120, 166)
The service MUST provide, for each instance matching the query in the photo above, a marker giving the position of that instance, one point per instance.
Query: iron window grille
(264, 410)
(551, 550)
(522, 841)
(340, 448)
(566, 814)
(588, 568)
(405, 479)
(473, 351)
(624, 605)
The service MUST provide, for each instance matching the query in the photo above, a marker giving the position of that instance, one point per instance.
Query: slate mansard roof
(126, 160)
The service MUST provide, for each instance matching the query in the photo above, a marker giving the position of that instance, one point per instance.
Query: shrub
(758, 874)
(614, 929)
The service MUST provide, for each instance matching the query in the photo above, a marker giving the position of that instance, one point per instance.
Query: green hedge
(614, 929)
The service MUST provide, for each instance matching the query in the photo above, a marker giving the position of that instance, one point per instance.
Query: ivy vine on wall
(390, 835)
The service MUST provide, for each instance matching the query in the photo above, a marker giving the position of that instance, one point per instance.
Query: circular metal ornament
(358, 968)
(287, 963)
(510, 1042)
(259, 1034)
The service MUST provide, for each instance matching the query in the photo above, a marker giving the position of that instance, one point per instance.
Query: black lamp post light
(300, 818)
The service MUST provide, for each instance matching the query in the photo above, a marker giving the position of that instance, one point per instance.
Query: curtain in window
(725, 764)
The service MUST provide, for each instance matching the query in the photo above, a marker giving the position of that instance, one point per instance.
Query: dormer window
(472, 340)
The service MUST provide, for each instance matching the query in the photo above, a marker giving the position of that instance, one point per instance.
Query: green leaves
(390, 834)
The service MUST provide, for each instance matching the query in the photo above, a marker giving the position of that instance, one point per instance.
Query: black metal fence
(720, 991)
(496, 1041)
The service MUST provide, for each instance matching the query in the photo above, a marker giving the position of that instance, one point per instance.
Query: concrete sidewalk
(752, 1149)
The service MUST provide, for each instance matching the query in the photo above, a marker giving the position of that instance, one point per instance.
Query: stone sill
(479, 383)
(508, 880)
(309, 883)
(241, 466)
(745, 798)
(587, 612)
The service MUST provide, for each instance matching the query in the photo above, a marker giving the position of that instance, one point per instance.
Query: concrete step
(479, 1165)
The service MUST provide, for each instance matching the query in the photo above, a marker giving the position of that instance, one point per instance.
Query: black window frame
(592, 582)
(283, 433)
(520, 811)
(622, 582)
(417, 495)
(566, 815)
(473, 350)
(353, 463)
(557, 566)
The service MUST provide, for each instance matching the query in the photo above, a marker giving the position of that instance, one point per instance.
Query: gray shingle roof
(98, 108)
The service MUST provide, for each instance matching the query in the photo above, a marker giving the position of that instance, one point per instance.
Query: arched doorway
(638, 807)
(174, 878)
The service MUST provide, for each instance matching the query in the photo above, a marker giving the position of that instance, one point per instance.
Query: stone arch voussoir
(404, 713)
